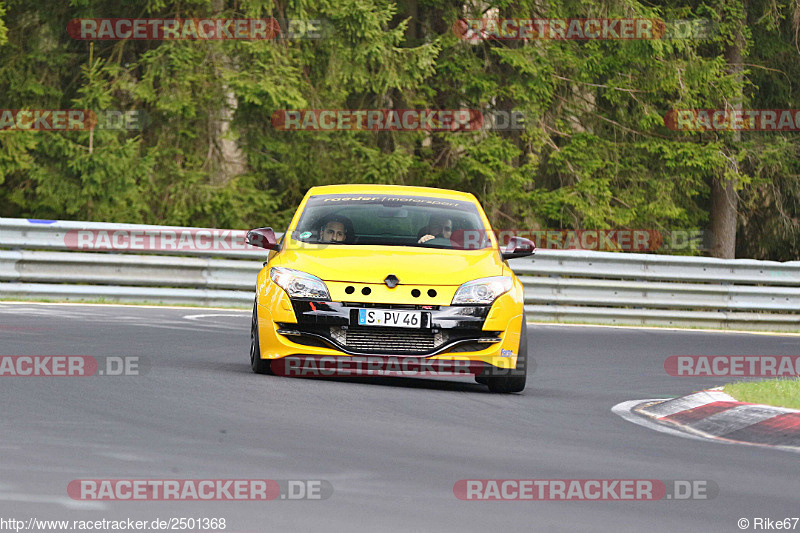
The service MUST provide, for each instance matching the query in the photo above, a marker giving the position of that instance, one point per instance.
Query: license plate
(387, 317)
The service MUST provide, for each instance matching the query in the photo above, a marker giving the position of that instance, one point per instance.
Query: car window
(394, 220)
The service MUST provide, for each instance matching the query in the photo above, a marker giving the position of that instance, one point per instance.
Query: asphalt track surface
(392, 448)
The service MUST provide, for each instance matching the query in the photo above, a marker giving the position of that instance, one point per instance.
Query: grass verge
(779, 392)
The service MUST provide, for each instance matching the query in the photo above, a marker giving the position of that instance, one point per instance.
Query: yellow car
(410, 276)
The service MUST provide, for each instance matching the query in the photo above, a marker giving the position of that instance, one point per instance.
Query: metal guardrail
(32, 234)
(36, 261)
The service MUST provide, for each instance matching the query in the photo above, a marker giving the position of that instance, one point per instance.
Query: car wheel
(514, 380)
(259, 366)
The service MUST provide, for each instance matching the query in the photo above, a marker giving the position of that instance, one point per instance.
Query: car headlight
(482, 291)
(299, 284)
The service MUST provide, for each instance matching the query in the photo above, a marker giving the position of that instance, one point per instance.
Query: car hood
(412, 266)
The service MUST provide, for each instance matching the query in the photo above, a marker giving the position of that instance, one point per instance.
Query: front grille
(401, 341)
(368, 340)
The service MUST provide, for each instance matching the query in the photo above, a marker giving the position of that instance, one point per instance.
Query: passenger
(336, 228)
(438, 227)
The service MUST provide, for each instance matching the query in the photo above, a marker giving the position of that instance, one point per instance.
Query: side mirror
(263, 238)
(518, 247)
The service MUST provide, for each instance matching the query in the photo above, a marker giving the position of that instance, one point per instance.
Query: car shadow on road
(445, 384)
(462, 385)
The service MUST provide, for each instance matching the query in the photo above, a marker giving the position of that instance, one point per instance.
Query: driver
(439, 226)
(336, 228)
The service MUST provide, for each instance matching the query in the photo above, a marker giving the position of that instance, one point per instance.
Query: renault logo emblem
(391, 281)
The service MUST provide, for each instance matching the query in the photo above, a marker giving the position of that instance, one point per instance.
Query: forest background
(594, 151)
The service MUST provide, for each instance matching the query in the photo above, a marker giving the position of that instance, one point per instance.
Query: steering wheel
(440, 242)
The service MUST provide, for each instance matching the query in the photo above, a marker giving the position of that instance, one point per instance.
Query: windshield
(391, 220)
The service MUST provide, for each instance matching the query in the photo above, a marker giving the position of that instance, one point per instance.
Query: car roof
(391, 189)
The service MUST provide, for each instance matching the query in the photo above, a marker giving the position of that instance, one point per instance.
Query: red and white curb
(712, 414)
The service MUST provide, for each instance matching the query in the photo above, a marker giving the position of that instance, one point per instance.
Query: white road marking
(124, 456)
(130, 306)
(163, 326)
(69, 503)
(195, 317)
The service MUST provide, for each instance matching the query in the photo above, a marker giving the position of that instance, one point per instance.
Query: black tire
(259, 366)
(514, 379)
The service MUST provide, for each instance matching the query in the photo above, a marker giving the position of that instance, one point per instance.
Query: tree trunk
(228, 159)
(724, 201)
(724, 198)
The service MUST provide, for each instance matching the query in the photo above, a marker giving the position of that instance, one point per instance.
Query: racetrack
(392, 448)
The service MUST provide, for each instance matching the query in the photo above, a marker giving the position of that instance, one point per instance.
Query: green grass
(779, 392)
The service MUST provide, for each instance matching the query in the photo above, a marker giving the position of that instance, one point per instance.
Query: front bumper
(453, 333)
(444, 329)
